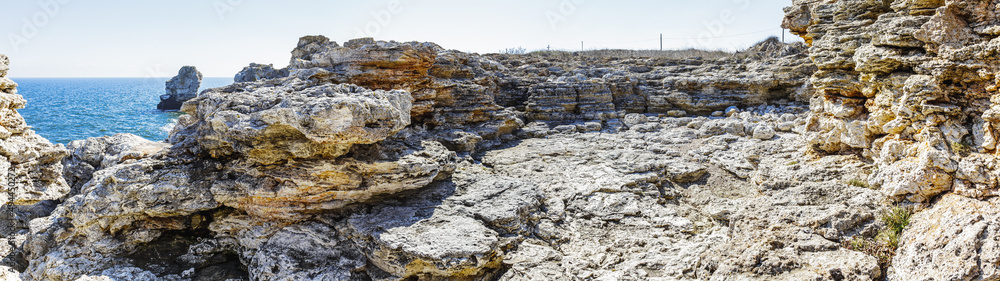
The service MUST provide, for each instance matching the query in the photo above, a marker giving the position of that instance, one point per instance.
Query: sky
(145, 38)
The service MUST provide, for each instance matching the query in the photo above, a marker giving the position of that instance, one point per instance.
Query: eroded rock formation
(181, 88)
(379, 160)
(912, 86)
(256, 72)
(31, 172)
(304, 177)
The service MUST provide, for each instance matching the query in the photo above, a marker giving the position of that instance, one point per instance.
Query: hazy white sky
(141, 38)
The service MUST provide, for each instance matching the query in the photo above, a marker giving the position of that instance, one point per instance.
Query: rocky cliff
(30, 174)
(379, 160)
(912, 85)
(181, 88)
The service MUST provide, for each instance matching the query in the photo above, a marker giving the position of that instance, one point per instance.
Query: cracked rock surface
(377, 160)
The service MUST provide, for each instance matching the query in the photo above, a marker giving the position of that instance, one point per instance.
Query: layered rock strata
(489, 97)
(256, 72)
(389, 161)
(30, 173)
(304, 177)
(181, 88)
(912, 86)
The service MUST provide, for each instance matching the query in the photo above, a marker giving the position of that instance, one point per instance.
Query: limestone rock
(297, 121)
(414, 171)
(301, 187)
(256, 72)
(957, 239)
(30, 166)
(886, 73)
(763, 132)
(181, 88)
(307, 251)
(447, 230)
(95, 154)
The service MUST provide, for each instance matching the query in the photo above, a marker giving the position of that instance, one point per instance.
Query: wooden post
(661, 42)
(782, 35)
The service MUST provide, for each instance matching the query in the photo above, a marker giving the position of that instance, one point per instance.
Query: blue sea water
(68, 109)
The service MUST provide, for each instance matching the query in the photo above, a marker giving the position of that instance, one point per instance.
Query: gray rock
(307, 251)
(957, 239)
(763, 132)
(95, 154)
(181, 88)
(257, 72)
(732, 110)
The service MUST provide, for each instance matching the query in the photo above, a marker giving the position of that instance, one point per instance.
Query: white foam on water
(169, 126)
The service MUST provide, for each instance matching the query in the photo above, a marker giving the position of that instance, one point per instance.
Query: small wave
(169, 126)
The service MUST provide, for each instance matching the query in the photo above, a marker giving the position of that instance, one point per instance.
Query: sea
(67, 109)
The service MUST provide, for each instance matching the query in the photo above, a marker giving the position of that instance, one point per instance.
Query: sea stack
(181, 88)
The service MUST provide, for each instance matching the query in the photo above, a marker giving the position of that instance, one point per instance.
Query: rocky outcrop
(369, 161)
(451, 90)
(245, 158)
(916, 101)
(257, 72)
(95, 154)
(911, 85)
(577, 87)
(30, 173)
(378, 160)
(498, 94)
(181, 88)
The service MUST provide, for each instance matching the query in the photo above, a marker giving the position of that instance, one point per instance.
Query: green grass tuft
(895, 221)
(883, 246)
(961, 148)
(859, 183)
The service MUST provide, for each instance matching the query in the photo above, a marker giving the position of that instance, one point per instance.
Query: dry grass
(859, 183)
(961, 148)
(618, 53)
(882, 252)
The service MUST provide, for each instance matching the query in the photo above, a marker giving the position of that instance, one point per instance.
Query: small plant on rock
(961, 148)
(895, 221)
(883, 246)
(859, 183)
(882, 252)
